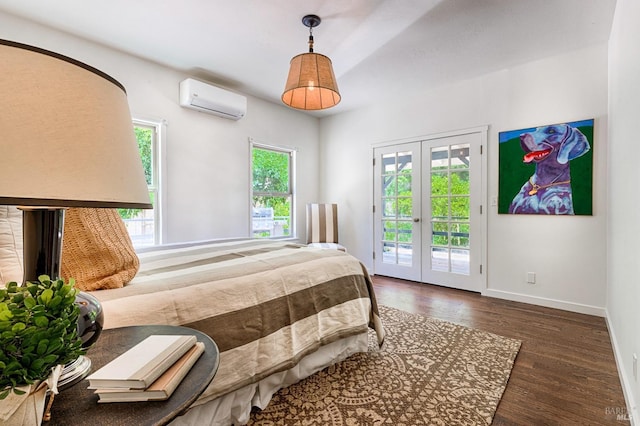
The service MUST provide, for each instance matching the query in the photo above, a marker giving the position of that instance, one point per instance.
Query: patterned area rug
(428, 372)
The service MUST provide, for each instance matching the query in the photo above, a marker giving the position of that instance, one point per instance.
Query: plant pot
(29, 409)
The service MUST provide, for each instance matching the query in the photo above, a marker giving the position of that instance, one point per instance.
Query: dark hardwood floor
(565, 372)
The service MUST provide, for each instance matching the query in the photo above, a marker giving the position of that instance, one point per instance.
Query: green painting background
(513, 173)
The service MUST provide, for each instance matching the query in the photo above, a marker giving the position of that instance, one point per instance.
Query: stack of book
(149, 371)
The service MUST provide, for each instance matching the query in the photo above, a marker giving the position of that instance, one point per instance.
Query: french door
(428, 223)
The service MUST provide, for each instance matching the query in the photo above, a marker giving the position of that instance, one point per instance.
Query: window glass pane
(440, 259)
(440, 207)
(440, 233)
(389, 230)
(389, 251)
(389, 209)
(460, 156)
(388, 164)
(141, 223)
(405, 207)
(270, 171)
(405, 254)
(439, 158)
(144, 136)
(460, 208)
(439, 183)
(404, 183)
(460, 183)
(405, 162)
(390, 186)
(405, 230)
(271, 216)
(460, 260)
(272, 198)
(460, 235)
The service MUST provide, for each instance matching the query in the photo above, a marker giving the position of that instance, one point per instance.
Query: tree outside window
(272, 191)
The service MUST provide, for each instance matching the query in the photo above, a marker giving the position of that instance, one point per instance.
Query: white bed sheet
(235, 408)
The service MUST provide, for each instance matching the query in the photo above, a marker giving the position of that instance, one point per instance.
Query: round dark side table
(78, 405)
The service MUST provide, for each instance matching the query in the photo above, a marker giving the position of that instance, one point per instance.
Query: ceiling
(379, 48)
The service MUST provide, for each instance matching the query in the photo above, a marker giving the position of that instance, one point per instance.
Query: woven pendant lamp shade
(311, 84)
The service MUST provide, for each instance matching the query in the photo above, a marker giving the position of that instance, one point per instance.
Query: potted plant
(38, 332)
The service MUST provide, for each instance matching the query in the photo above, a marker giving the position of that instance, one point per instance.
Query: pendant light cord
(310, 39)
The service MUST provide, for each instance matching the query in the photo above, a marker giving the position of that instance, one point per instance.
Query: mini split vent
(210, 99)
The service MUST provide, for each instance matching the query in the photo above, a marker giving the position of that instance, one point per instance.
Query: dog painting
(546, 159)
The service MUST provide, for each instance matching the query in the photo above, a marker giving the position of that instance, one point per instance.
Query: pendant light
(311, 84)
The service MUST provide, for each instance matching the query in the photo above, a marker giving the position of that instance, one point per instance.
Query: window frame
(158, 128)
(292, 152)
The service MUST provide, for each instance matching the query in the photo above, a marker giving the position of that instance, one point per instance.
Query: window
(272, 195)
(144, 224)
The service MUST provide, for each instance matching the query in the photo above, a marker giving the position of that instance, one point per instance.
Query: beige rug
(428, 372)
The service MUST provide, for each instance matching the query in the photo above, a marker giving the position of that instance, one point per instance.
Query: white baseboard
(632, 410)
(543, 301)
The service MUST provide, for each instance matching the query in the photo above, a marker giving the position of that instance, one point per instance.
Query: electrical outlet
(635, 367)
(531, 277)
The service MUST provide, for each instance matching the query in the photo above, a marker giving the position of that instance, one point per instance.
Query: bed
(278, 312)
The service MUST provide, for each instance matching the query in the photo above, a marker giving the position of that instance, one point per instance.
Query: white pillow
(11, 268)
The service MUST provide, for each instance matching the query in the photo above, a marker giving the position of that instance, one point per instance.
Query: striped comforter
(266, 304)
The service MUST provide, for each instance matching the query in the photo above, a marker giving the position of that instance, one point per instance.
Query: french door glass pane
(389, 185)
(460, 183)
(450, 208)
(389, 252)
(405, 231)
(460, 261)
(440, 259)
(397, 208)
(440, 233)
(389, 210)
(405, 254)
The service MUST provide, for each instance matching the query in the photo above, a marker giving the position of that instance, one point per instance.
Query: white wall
(567, 253)
(206, 193)
(623, 228)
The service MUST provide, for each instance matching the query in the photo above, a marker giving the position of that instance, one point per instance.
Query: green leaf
(12, 366)
(37, 364)
(41, 321)
(46, 296)
(42, 347)
(18, 391)
(55, 345)
(51, 358)
(4, 393)
(17, 327)
(55, 302)
(29, 302)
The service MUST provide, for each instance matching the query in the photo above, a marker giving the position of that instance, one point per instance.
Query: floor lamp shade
(311, 84)
(66, 134)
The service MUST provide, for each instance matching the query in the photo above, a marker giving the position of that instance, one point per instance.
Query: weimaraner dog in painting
(550, 148)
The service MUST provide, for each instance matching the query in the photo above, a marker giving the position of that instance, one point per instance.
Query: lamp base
(74, 372)
(42, 238)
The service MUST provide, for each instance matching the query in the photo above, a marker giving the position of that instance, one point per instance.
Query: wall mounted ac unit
(210, 99)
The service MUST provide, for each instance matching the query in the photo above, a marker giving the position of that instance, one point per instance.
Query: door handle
(416, 219)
